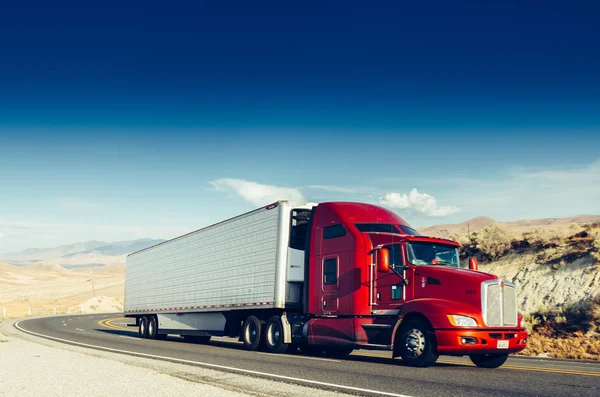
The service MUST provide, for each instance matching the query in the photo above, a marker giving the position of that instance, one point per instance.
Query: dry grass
(554, 247)
(571, 331)
(575, 346)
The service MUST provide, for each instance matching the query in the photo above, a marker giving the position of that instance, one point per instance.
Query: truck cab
(375, 283)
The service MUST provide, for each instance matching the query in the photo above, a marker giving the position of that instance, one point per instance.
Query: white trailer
(215, 281)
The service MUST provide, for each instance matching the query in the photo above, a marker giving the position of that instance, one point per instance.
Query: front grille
(498, 303)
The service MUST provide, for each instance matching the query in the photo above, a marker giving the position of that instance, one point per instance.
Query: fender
(436, 311)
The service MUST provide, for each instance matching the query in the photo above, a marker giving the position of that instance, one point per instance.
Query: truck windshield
(432, 254)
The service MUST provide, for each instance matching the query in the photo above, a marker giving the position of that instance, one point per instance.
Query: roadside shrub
(461, 238)
(583, 316)
(494, 241)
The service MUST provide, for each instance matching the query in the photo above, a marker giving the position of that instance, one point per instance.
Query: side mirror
(473, 264)
(382, 259)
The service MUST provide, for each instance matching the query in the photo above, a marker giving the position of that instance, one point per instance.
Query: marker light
(461, 321)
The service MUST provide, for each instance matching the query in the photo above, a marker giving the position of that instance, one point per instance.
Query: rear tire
(152, 327)
(274, 340)
(252, 333)
(143, 327)
(417, 344)
(488, 360)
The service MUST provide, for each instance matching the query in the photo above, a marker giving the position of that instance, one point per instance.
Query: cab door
(393, 288)
(335, 262)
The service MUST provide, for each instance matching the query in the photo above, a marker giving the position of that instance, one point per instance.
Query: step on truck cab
(326, 278)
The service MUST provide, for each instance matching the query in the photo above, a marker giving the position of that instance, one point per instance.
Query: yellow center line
(107, 323)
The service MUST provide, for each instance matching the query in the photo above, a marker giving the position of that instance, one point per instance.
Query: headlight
(462, 321)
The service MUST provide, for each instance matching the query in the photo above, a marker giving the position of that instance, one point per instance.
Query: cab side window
(330, 270)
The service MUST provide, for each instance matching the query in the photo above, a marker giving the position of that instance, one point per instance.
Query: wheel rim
(415, 343)
(142, 327)
(273, 334)
(151, 328)
(251, 333)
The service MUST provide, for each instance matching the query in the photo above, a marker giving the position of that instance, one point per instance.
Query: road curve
(362, 373)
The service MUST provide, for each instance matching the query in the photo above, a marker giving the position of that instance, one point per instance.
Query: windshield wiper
(445, 263)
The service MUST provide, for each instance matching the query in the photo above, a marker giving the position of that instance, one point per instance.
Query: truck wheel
(152, 327)
(488, 360)
(274, 336)
(143, 328)
(417, 344)
(252, 333)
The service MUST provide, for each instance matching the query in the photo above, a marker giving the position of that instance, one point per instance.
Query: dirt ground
(39, 290)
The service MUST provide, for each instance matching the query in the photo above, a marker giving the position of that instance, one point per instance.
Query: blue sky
(151, 120)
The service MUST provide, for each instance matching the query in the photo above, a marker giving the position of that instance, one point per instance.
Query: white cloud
(256, 193)
(422, 203)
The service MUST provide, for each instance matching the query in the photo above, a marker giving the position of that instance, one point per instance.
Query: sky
(147, 119)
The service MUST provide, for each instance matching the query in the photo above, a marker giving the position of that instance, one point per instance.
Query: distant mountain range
(89, 253)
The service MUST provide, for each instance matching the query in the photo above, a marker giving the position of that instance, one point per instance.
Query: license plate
(502, 344)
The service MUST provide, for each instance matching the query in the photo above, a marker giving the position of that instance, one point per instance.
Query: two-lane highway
(363, 372)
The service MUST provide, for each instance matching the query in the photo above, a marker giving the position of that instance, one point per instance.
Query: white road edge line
(232, 369)
(304, 357)
(79, 329)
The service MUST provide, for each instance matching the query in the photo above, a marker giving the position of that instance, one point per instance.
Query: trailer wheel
(417, 344)
(143, 327)
(274, 340)
(152, 327)
(252, 333)
(488, 360)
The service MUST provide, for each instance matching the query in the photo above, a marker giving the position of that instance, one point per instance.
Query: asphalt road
(362, 373)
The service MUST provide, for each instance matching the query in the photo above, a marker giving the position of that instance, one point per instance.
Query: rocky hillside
(543, 286)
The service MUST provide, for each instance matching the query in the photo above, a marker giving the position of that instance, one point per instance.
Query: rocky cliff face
(540, 285)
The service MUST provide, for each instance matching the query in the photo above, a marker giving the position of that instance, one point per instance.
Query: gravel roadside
(31, 366)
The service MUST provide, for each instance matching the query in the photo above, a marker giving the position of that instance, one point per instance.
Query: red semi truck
(327, 278)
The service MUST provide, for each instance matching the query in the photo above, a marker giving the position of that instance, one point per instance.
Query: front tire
(417, 344)
(274, 340)
(143, 327)
(488, 360)
(252, 333)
